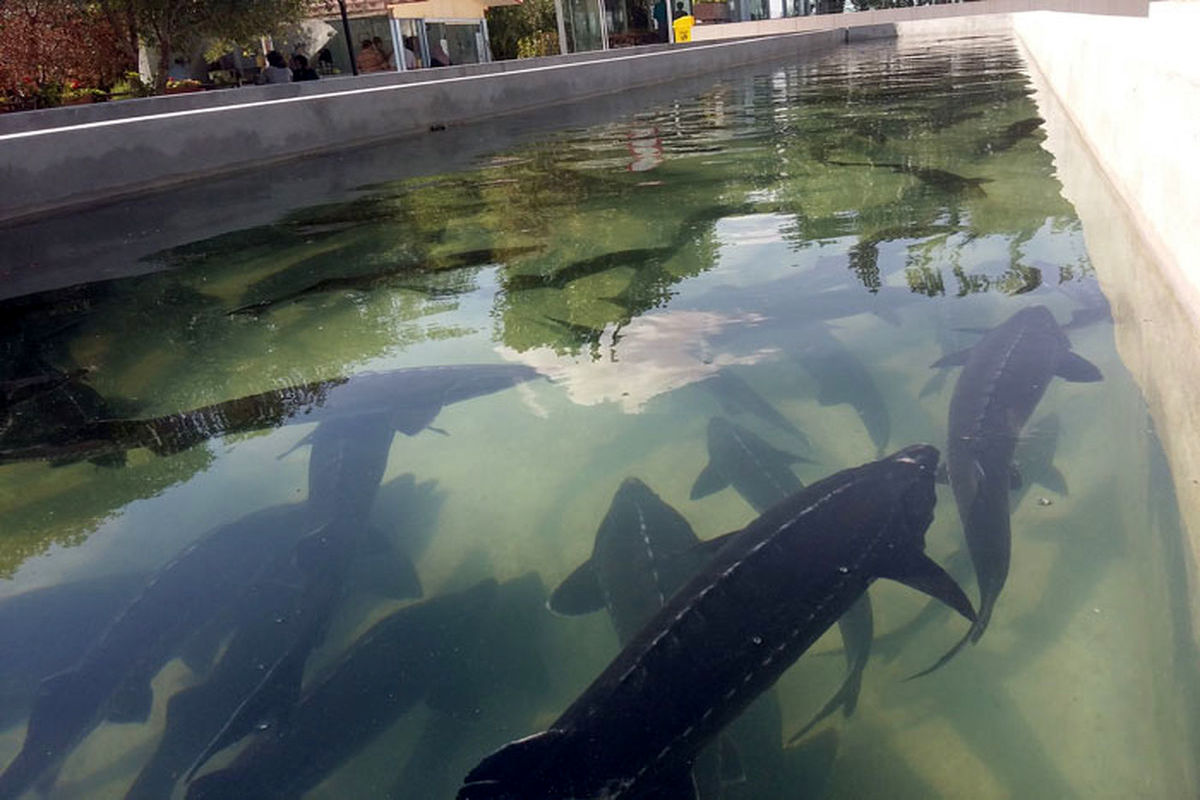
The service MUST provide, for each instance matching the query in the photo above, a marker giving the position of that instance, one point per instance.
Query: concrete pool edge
(1154, 300)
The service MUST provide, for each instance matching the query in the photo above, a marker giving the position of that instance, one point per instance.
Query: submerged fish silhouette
(409, 398)
(843, 378)
(1004, 377)
(737, 457)
(763, 477)
(727, 636)
(258, 675)
(431, 651)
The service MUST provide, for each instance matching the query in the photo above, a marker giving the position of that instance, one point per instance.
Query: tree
(174, 26)
(46, 46)
(519, 31)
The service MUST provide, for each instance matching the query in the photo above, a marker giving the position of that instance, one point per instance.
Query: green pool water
(815, 234)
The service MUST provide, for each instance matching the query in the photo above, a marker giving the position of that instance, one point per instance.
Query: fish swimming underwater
(258, 675)
(188, 595)
(727, 635)
(843, 378)
(1004, 377)
(735, 395)
(760, 473)
(433, 651)
(410, 398)
(763, 477)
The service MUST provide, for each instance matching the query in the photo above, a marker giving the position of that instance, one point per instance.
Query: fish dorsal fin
(1077, 369)
(956, 359)
(710, 480)
(920, 572)
(415, 418)
(579, 593)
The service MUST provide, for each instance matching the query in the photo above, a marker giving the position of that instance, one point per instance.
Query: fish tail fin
(506, 774)
(973, 635)
(951, 653)
(845, 699)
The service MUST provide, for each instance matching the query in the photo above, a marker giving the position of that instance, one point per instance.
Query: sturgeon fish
(726, 637)
(762, 475)
(410, 398)
(258, 676)
(1004, 377)
(440, 651)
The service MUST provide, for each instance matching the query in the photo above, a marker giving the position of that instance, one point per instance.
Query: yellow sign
(683, 28)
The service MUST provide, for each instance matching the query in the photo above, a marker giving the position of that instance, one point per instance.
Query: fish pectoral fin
(709, 480)
(955, 359)
(579, 593)
(922, 573)
(1077, 369)
(732, 770)
(504, 773)
(131, 702)
(1053, 480)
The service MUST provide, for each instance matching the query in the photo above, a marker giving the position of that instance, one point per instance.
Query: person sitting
(325, 61)
(276, 70)
(301, 71)
(437, 55)
(410, 52)
(383, 51)
(370, 59)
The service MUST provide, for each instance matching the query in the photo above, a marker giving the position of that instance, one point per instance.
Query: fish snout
(924, 456)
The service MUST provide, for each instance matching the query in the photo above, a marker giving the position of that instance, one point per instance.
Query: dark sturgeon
(258, 676)
(763, 477)
(727, 636)
(196, 590)
(440, 651)
(1004, 377)
(410, 399)
(644, 551)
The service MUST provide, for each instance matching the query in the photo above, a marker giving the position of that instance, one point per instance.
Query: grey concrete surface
(914, 19)
(85, 154)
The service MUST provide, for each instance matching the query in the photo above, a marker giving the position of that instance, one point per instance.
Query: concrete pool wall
(1122, 109)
